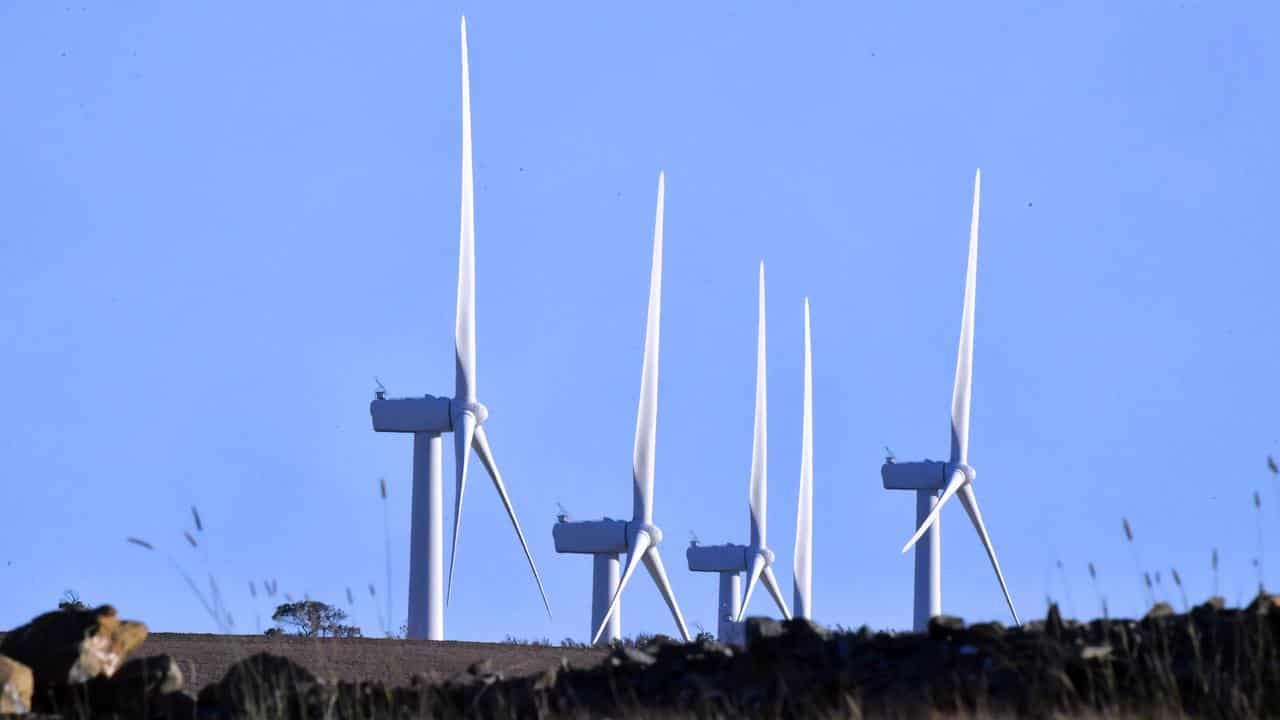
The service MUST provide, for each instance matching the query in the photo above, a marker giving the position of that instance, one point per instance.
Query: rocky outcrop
(1211, 662)
(15, 687)
(76, 663)
(147, 687)
(73, 645)
(262, 685)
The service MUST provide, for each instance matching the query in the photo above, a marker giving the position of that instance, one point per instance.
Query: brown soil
(205, 658)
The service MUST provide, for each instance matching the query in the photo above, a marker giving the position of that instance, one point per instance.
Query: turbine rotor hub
(653, 531)
(969, 473)
(477, 410)
(767, 554)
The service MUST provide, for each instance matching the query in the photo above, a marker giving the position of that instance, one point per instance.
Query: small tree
(311, 618)
(70, 600)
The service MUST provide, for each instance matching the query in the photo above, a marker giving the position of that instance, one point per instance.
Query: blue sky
(219, 223)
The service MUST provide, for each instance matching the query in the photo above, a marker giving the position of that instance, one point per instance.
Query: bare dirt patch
(205, 658)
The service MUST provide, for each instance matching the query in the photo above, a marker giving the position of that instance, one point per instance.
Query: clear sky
(219, 222)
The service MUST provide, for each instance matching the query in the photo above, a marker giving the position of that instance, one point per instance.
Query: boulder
(261, 685)
(761, 628)
(141, 687)
(546, 680)
(1264, 603)
(73, 645)
(805, 639)
(985, 632)
(945, 627)
(1159, 610)
(1093, 652)
(1206, 611)
(15, 687)
(631, 656)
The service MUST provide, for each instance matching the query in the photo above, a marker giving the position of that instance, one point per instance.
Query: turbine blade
(771, 583)
(759, 497)
(642, 543)
(464, 428)
(757, 567)
(647, 414)
(653, 562)
(970, 502)
(802, 572)
(465, 325)
(957, 479)
(486, 458)
(962, 391)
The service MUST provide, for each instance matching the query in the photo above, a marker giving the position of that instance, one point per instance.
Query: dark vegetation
(70, 600)
(1211, 662)
(311, 618)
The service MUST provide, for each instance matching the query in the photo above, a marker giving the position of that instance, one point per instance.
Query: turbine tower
(731, 560)
(953, 477)
(639, 538)
(428, 417)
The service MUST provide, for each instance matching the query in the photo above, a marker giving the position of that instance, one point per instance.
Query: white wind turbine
(639, 538)
(428, 417)
(756, 559)
(952, 477)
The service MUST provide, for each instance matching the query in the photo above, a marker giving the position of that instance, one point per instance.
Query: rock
(546, 680)
(72, 646)
(805, 639)
(805, 626)
(1263, 603)
(985, 632)
(708, 647)
(139, 685)
(176, 706)
(761, 628)
(1159, 610)
(945, 627)
(658, 643)
(631, 656)
(16, 684)
(1094, 652)
(262, 685)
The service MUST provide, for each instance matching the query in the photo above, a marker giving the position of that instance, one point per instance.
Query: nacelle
(591, 537)
(920, 475)
(718, 558)
(411, 415)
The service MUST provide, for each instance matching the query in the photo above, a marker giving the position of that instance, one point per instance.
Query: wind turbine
(954, 477)
(638, 538)
(756, 559)
(463, 415)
